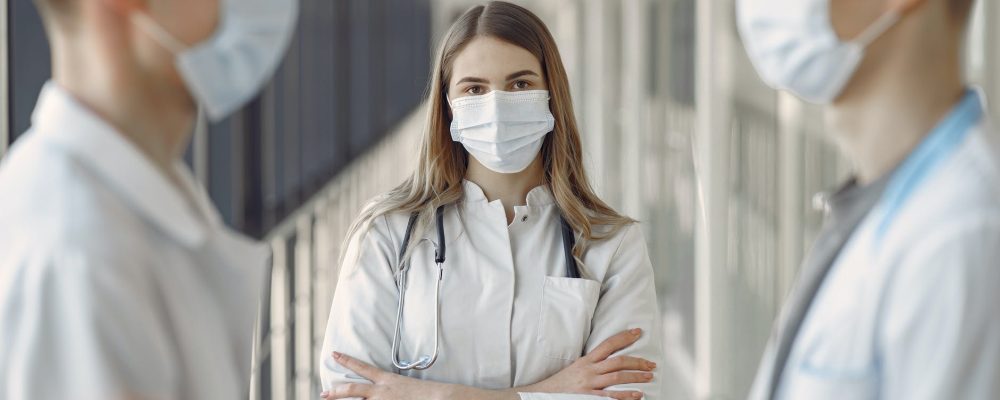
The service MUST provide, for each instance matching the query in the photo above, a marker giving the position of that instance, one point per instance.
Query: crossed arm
(589, 375)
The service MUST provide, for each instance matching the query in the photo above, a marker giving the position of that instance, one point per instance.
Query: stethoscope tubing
(440, 253)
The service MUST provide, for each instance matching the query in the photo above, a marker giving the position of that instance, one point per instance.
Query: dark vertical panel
(220, 169)
(378, 25)
(360, 75)
(290, 124)
(354, 69)
(273, 146)
(29, 63)
(396, 57)
(682, 52)
(340, 46)
(290, 321)
(317, 89)
(251, 170)
(653, 49)
(189, 154)
(415, 79)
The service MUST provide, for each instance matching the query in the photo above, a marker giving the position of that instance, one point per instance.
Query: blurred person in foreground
(898, 297)
(117, 278)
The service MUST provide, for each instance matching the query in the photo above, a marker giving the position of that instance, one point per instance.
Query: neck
(511, 189)
(148, 110)
(882, 117)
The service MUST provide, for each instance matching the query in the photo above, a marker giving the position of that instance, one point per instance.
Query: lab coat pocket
(809, 382)
(564, 320)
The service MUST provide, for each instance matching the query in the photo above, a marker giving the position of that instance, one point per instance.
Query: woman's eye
(475, 90)
(522, 84)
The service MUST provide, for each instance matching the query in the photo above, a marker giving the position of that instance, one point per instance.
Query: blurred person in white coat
(117, 277)
(898, 297)
(494, 271)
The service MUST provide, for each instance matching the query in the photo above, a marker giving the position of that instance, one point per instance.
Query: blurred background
(678, 131)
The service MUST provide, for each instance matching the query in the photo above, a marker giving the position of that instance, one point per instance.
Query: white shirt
(509, 317)
(111, 285)
(911, 312)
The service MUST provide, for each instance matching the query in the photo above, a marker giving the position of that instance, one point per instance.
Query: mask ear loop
(879, 27)
(157, 32)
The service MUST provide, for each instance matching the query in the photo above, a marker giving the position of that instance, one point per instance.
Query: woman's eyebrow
(473, 80)
(519, 74)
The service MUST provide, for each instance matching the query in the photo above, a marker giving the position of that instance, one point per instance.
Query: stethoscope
(426, 361)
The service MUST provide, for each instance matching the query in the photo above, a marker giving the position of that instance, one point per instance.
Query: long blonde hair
(442, 163)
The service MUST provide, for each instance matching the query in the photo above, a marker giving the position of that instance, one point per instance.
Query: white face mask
(502, 130)
(794, 47)
(227, 70)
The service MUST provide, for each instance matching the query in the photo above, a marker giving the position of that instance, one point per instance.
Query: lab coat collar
(66, 123)
(538, 197)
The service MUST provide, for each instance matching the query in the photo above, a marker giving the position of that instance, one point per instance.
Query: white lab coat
(112, 285)
(509, 317)
(916, 314)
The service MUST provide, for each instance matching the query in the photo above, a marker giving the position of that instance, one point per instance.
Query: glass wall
(354, 70)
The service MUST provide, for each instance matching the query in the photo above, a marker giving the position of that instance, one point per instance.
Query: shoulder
(974, 170)
(623, 251)
(951, 226)
(58, 208)
(972, 175)
(373, 240)
(967, 244)
(391, 226)
(965, 189)
(624, 238)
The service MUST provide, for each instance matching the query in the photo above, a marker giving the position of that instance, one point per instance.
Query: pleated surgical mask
(226, 71)
(793, 46)
(504, 131)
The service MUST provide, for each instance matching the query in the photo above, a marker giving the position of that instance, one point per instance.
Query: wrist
(533, 388)
(509, 394)
(445, 391)
(454, 392)
(539, 387)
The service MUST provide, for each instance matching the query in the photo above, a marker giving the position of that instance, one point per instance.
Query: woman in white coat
(545, 291)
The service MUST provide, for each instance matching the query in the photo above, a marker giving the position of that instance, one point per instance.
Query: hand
(594, 372)
(384, 386)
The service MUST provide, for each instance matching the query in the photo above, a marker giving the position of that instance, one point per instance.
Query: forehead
(492, 59)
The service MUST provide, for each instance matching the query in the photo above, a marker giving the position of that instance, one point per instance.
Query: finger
(619, 394)
(622, 378)
(359, 367)
(613, 344)
(350, 390)
(623, 363)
